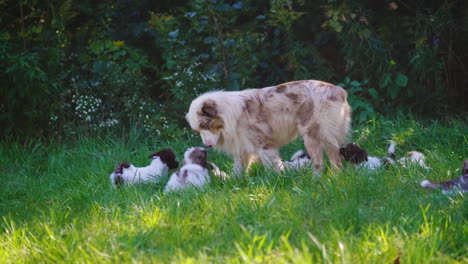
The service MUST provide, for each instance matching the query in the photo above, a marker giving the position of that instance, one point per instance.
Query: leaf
(373, 93)
(385, 81)
(209, 40)
(97, 46)
(393, 91)
(401, 80)
(355, 83)
(346, 80)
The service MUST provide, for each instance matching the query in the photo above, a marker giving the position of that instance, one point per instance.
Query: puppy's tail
(391, 150)
(429, 184)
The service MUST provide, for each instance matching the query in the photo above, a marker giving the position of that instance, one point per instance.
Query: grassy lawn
(57, 205)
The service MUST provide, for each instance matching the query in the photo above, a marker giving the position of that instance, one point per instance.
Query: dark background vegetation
(69, 66)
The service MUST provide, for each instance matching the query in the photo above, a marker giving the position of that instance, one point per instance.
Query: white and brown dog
(194, 172)
(254, 123)
(360, 159)
(161, 162)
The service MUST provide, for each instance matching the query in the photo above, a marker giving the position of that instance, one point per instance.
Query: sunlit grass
(58, 206)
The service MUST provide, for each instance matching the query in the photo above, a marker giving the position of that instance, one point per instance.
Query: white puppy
(193, 173)
(298, 160)
(161, 162)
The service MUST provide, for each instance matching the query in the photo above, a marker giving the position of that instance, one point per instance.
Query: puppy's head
(353, 153)
(196, 155)
(204, 118)
(167, 157)
(116, 177)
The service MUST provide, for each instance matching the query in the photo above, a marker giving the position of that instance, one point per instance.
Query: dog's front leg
(271, 158)
(237, 166)
(242, 163)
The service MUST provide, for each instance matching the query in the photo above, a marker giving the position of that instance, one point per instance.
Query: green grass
(57, 206)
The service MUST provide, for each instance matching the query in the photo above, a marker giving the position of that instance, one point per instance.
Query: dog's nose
(208, 145)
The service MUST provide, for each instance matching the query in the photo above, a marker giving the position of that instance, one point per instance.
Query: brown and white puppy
(358, 156)
(161, 162)
(460, 183)
(194, 173)
(254, 123)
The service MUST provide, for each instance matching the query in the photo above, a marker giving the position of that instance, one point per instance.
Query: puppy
(255, 123)
(460, 183)
(193, 173)
(298, 160)
(359, 157)
(161, 162)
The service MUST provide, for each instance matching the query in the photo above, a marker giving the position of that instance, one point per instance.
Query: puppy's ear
(121, 166)
(182, 175)
(210, 108)
(119, 181)
(168, 157)
(342, 151)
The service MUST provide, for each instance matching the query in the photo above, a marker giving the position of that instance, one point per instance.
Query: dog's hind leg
(314, 148)
(313, 142)
(333, 153)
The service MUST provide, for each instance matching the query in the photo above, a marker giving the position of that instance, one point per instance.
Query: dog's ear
(210, 108)
(355, 154)
(121, 166)
(168, 157)
(342, 151)
(182, 175)
(119, 181)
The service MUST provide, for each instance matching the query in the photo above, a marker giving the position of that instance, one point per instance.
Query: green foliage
(360, 98)
(151, 58)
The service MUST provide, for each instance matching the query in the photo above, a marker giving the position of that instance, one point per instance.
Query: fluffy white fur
(190, 175)
(194, 173)
(298, 160)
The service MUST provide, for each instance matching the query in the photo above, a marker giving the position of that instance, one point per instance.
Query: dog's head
(204, 118)
(116, 177)
(196, 155)
(167, 156)
(353, 153)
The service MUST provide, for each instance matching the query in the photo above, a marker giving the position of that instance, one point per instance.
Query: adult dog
(254, 123)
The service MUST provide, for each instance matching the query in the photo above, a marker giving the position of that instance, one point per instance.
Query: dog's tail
(429, 184)
(391, 150)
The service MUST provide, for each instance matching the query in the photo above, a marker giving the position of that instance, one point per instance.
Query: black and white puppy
(161, 162)
(298, 160)
(459, 183)
(194, 172)
(359, 157)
